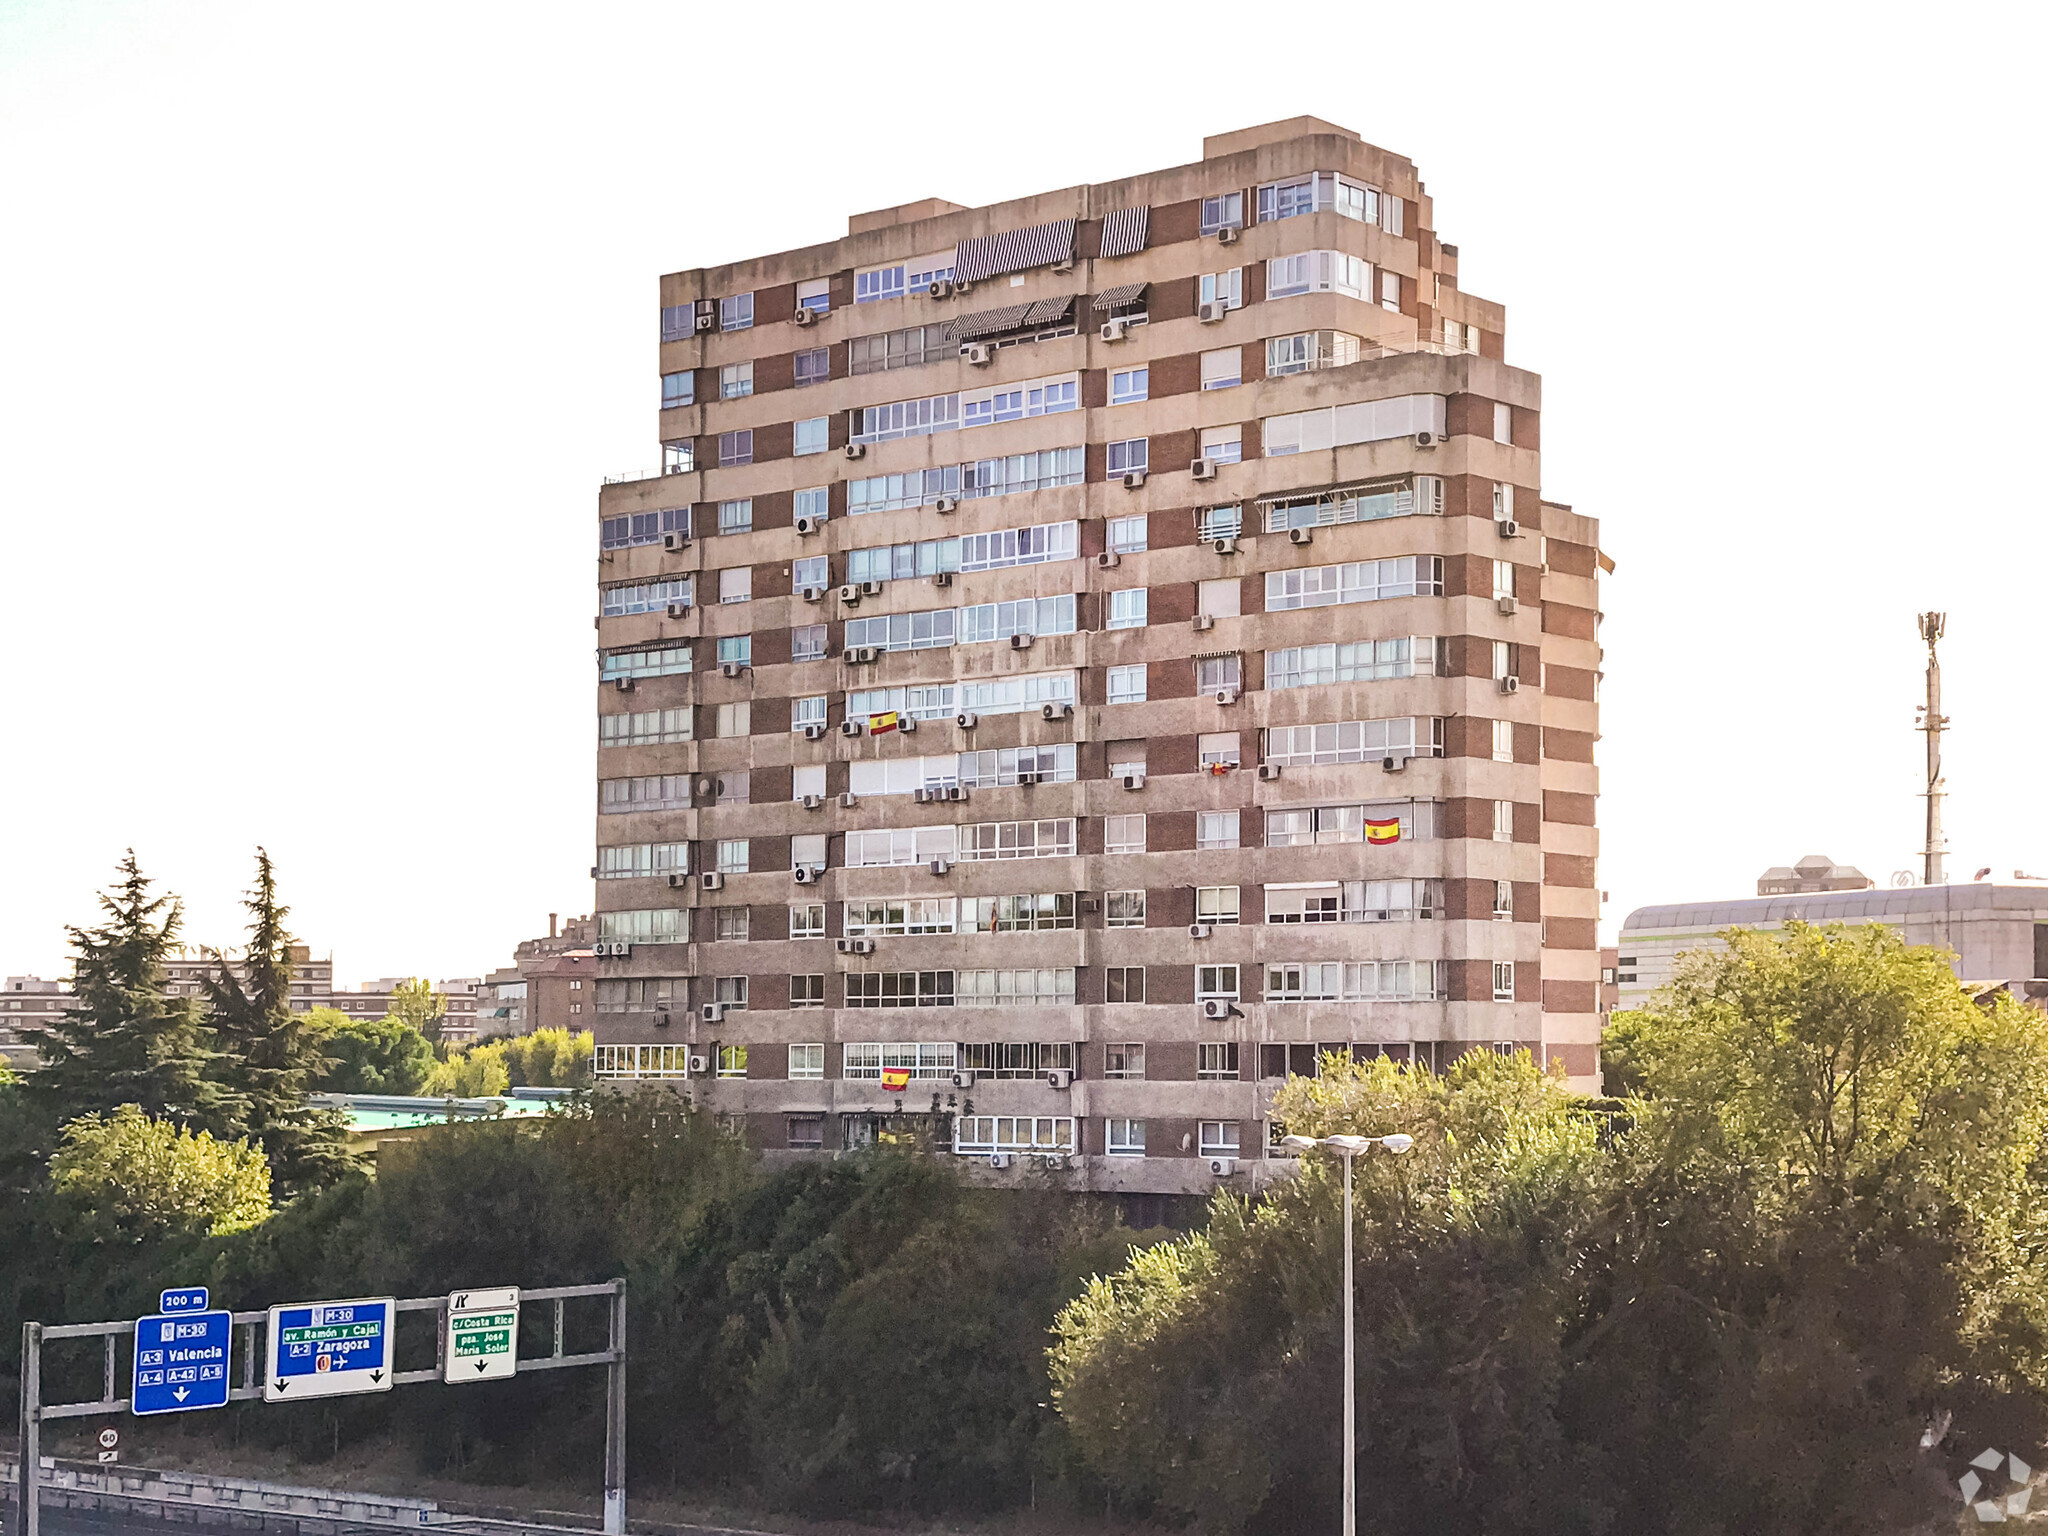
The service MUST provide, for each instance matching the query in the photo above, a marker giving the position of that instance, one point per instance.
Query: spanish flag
(1388, 831)
(895, 1079)
(878, 724)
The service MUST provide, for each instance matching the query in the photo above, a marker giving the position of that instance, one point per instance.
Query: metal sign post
(358, 1349)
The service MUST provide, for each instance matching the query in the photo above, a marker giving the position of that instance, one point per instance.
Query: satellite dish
(1901, 878)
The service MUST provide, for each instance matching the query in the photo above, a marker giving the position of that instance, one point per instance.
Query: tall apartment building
(1083, 658)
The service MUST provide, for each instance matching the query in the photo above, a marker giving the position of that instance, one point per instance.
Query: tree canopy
(125, 1175)
(371, 1055)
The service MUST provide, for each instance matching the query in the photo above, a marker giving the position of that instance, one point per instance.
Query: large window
(902, 631)
(643, 861)
(1124, 1061)
(1051, 838)
(896, 916)
(1409, 820)
(1015, 989)
(1357, 504)
(898, 989)
(906, 418)
(641, 1061)
(1225, 288)
(1354, 741)
(1124, 984)
(1359, 581)
(1023, 472)
(1127, 684)
(1216, 905)
(881, 846)
(641, 994)
(1307, 351)
(1223, 368)
(644, 728)
(1318, 272)
(1219, 1138)
(1352, 661)
(645, 596)
(1044, 912)
(981, 1135)
(1320, 192)
(1000, 767)
(807, 920)
(1366, 421)
(734, 856)
(1014, 402)
(1355, 901)
(909, 348)
(1360, 981)
(646, 661)
(658, 925)
(929, 1060)
(1129, 535)
(985, 622)
(633, 529)
(654, 792)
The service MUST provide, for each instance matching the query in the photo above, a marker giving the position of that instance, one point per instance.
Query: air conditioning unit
(979, 354)
(623, 684)
(1060, 1077)
(1223, 1167)
(806, 526)
(1510, 684)
(711, 880)
(1226, 695)
(956, 793)
(1213, 311)
(1091, 904)
(1216, 1008)
(942, 578)
(1427, 439)
(1028, 776)
(711, 1013)
(1200, 930)
(1227, 545)
(999, 1159)
(729, 669)
(677, 882)
(1202, 469)
(805, 875)
(1134, 781)
(1203, 621)
(849, 727)
(675, 542)
(1057, 711)
(662, 1019)
(812, 802)
(967, 721)
(1052, 1162)
(1393, 764)
(1114, 330)
(848, 800)
(1021, 642)
(1269, 772)
(677, 610)
(1507, 527)
(612, 949)
(964, 1078)
(706, 320)
(1301, 536)
(843, 946)
(855, 450)
(814, 732)
(946, 504)
(961, 289)
(864, 655)
(1134, 480)
(906, 724)
(941, 866)
(593, 871)
(924, 796)
(940, 290)
(813, 594)
(806, 315)
(697, 1066)
(860, 946)
(1108, 559)
(1504, 604)
(1228, 235)
(850, 595)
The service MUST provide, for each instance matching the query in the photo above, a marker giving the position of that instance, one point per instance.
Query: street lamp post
(1348, 1147)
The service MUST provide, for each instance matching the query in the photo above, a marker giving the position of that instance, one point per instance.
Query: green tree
(415, 1002)
(474, 1072)
(273, 1056)
(371, 1055)
(549, 1058)
(126, 1042)
(127, 1176)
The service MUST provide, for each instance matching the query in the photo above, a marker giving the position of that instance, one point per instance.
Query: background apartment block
(1082, 658)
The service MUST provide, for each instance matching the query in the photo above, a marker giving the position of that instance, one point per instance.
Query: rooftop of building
(1839, 906)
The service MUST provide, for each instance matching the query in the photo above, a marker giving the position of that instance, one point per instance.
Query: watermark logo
(1996, 1510)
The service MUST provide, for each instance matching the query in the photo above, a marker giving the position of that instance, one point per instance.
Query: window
(1503, 821)
(1218, 598)
(1127, 608)
(1022, 472)
(1354, 741)
(1503, 423)
(807, 642)
(1053, 838)
(736, 516)
(903, 631)
(814, 502)
(1390, 291)
(1216, 905)
(678, 456)
(1217, 749)
(1000, 767)
(1503, 660)
(804, 1133)
(1128, 457)
(906, 418)
(1352, 661)
(1424, 497)
(807, 920)
(1043, 912)
(1364, 421)
(1319, 272)
(636, 528)
(729, 924)
(1218, 981)
(1123, 909)
(1224, 211)
(660, 925)
(1219, 1138)
(1219, 522)
(807, 850)
(735, 585)
(1216, 829)
(1128, 535)
(814, 294)
(1504, 901)
(736, 447)
(1124, 984)
(733, 857)
(731, 992)
(1027, 616)
(1503, 981)
(1018, 989)
(1126, 758)
(1308, 351)
(644, 728)
(1503, 578)
(678, 321)
(1223, 445)
(1129, 385)
(807, 711)
(639, 861)
(898, 989)
(874, 916)
(1123, 834)
(1123, 1138)
(1213, 673)
(734, 787)
(1368, 981)
(1354, 901)
(647, 661)
(1126, 1061)
(806, 780)
(978, 1135)
(735, 719)
(813, 367)
(645, 596)
(650, 994)
(883, 847)
(678, 389)
(641, 1061)
(1017, 546)
(1216, 1060)
(1362, 581)
(909, 348)
(1226, 288)
(813, 435)
(1127, 685)
(735, 380)
(655, 792)
(1320, 192)
(1413, 820)
(736, 313)
(1223, 368)
(811, 571)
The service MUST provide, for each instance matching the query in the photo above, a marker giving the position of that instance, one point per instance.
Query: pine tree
(273, 1056)
(126, 1041)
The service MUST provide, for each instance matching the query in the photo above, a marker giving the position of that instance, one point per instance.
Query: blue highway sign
(189, 1298)
(329, 1349)
(181, 1361)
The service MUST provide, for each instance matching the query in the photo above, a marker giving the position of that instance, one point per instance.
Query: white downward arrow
(179, 1394)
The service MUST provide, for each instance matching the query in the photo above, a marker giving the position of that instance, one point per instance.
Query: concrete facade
(1419, 531)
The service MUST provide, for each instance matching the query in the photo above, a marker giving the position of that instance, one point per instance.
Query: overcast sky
(319, 327)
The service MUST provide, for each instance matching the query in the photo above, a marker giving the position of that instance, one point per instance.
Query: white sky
(320, 326)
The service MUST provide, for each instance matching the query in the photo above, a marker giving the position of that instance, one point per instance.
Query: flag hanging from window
(895, 1079)
(877, 724)
(1388, 831)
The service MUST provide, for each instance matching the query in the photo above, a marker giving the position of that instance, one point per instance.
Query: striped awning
(1015, 250)
(1122, 294)
(1011, 317)
(1049, 312)
(1123, 231)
